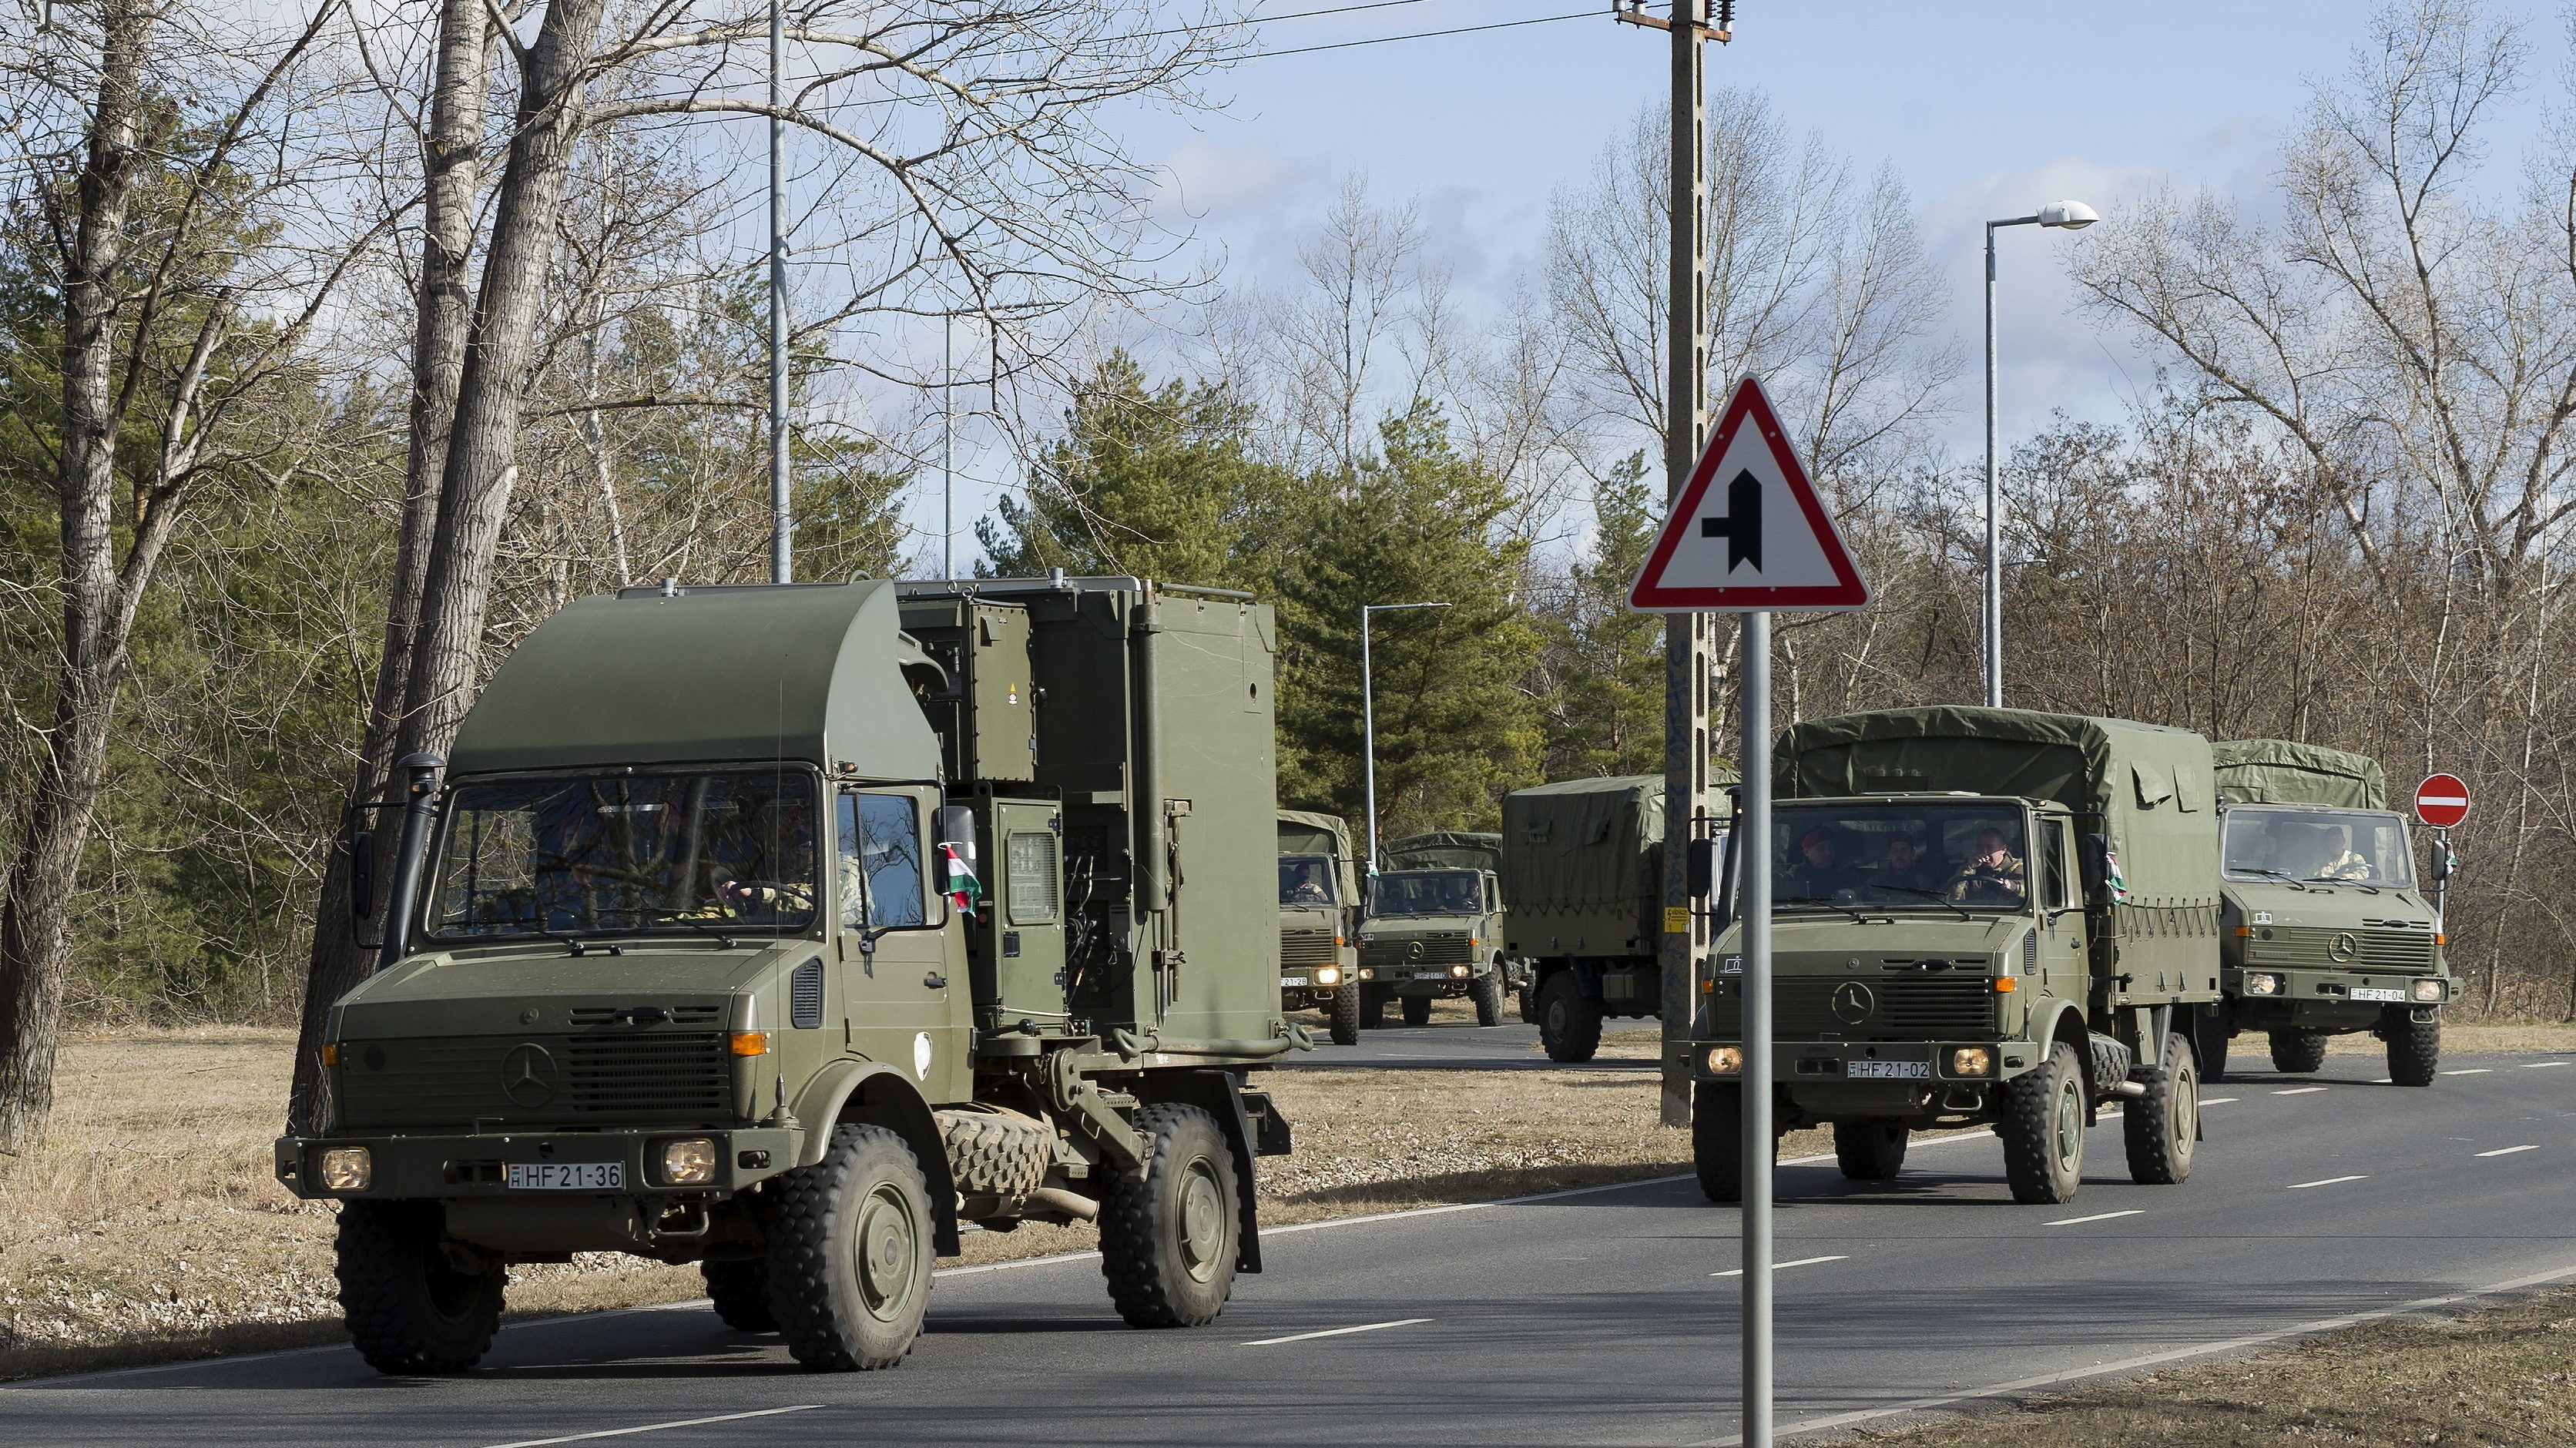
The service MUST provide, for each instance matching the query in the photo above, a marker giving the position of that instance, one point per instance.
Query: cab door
(2057, 954)
(902, 974)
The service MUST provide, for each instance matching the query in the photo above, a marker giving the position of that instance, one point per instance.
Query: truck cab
(1434, 927)
(1319, 908)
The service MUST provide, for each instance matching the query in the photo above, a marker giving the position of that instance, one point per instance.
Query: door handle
(935, 981)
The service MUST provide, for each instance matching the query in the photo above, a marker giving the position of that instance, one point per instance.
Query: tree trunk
(452, 190)
(54, 824)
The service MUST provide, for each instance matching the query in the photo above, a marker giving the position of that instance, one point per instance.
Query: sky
(1986, 108)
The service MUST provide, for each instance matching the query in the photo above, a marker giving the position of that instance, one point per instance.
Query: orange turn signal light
(2441, 939)
(751, 1043)
(330, 1053)
(2242, 932)
(2006, 985)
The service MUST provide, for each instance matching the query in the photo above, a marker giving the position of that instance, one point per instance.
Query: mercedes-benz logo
(528, 1075)
(1413, 951)
(1853, 1002)
(2344, 946)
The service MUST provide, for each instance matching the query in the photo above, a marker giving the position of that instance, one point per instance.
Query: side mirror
(1702, 868)
(2093, 861)
(2443, 861)
(362, 881)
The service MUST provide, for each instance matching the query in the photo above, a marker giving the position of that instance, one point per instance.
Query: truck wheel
(1417, 1010)
(1869, 1151)
(2160, 1127)
(849, 1253)
(1487, 989)
(1372, 1008)
(1528, 1003)
(2042, 1127)
(1717, 1140)
(1346, 1016)
(2210, 1029)
(740, 1292)
(409, 1309)
(1569, 1022)
(2414, 1048)
(2296, 1053)
(1169, 1229)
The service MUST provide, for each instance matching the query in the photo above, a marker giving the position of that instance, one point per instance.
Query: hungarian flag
(964, 890)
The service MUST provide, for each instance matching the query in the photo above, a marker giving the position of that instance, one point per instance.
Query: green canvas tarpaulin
(1446, 850)
(1584, 843)
(2284, 771)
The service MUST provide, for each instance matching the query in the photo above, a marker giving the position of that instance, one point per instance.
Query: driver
(2339, 862)
(1817, 874)
(1306, 889)
(1993, 875)
(1905, 869)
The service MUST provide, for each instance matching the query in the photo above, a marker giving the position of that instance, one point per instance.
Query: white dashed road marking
(2216, 1100)
(1776, 1266)
(2476, 1071)
(1337, 1332)
(2298, 1091)
(2096, 1217)
(2508, 1150)
(658, 1427)
(2326, 1182)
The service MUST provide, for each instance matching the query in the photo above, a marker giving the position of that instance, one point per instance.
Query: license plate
(2377, 993)
(1292, 980)
(1431, 975)
(1888, 1070)
(568, 1176)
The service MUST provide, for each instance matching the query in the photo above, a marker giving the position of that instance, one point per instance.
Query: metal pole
(1368, 737)
(1753, 849)
(1994, 602)
(947, 448)
(782, 568)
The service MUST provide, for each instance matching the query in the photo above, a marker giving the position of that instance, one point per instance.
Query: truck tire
(1717, 1140)
(2042, 1127)
(1528, 1002)
(1169, 1229)
(1569, 1022)
(740, 1292)
(1372, 1008)
(1487, 989)
(2297, 1053)
(2161, 1127)
(1869, 1151)
(1417, 1010)
(2414, 1047)
(850, 1252)
(1346, 1015)
(995, 1155)
(409, 1309)
(2210, 1030)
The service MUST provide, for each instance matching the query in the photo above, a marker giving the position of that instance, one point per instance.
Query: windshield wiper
(576, 944)
(1932, 895)
(722, 938)
(1821, 900)
(2284, 876)
(2339, 880)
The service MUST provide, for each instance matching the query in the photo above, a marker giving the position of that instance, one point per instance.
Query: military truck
(1434, 927)
(1318, 914)
(1981, 917)
(2324, 931)
(789, 930)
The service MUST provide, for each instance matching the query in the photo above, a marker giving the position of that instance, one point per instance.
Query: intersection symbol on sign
(1761, 543)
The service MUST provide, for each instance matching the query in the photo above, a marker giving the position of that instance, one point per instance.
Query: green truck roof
(1304, 833)
(1446, 850)
(2284, 771)
(1584, 842)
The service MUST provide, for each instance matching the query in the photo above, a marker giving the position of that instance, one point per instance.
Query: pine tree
(1603, 677)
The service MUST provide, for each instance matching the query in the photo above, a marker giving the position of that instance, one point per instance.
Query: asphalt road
(1458, 1046)
(1588, 1317)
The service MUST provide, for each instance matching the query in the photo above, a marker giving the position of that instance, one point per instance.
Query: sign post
(2442, 801)
(1747, 534)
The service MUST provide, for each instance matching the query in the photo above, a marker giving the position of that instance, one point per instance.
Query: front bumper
(2325, 998)
(475, 1165)
(1875, 1065)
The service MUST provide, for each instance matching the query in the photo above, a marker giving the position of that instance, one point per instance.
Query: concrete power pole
(782, 521)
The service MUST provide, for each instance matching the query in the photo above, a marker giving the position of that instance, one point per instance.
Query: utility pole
(948, 448)
(782, 568)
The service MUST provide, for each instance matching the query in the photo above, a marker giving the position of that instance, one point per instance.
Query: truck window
(1428, 892)
(1030, 858)
(1306, 880)
(881, 880)
(2310, 846)
(2053, 893)
(1913, 856)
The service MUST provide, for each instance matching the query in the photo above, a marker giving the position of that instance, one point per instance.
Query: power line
(1426, 34)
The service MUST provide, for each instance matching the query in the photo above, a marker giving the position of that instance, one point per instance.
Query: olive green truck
(1318, 906)
(789, 930)
(2324, 929)
(1434, 928)
(1981, 917)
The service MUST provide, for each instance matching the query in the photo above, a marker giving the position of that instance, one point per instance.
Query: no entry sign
(2442, 801)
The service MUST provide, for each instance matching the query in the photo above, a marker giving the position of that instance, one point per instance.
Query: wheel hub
(889, 1244)
(1202, 1219)
(2070, 1123)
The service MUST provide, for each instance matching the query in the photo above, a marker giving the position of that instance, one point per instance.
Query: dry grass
(2470, 1040)
(2504, 1377)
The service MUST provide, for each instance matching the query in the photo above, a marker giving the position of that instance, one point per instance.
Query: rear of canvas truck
(2324, 929)
(1318, 905)
(1434, 926)
(787, 930)
(1583, 885)
(1981, 917)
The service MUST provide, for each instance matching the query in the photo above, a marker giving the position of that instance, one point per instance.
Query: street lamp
(1368, 715)
(2069, 216)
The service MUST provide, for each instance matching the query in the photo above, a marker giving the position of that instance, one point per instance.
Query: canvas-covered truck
(1434, 927)
(1318, 908)
(787, 930)
(1583, 891)
(2323, 927)
(1980, 917)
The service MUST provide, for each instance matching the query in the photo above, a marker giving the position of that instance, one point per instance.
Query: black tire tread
(1417, 1010)
(1717, 1140)
(1582, 1038)
(1487, 992)
(992, 1155)
(378, 1244)
(2027, 1127)
(2414, 1049)
(1346, 1014)
(2298, 1053)
(1133, 1229)
(2157, 1157)
(740, 1293)
(799, 1268)
(1869, 1151)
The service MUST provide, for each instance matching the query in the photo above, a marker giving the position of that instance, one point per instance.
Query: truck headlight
(348, 1168)
(1328, 975)
(1459, 971)
(1723, 1060)
(2429, 989)
(2262, 983)
(1972, 1061)
(1367, 974)
(688, 1162)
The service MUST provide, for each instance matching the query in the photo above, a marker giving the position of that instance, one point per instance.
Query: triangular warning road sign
(1759, 541)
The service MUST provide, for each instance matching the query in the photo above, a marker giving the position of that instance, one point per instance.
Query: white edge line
(2539, 1065)
(2302, 1090)
(2096, 1217)
(2474, 1071)
(2216, 1100)
(2508, 1150)
(2157, 1359)
(659, 1427)
(1776, 1266)
(1272, 1341)
(2326, 1182)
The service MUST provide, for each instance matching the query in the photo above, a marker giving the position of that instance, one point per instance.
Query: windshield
(1306, 880)
(1927, 856)
(627, 852)
(2364, 847)
(1429, 892)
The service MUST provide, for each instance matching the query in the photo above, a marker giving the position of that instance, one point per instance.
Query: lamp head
(2071, 215)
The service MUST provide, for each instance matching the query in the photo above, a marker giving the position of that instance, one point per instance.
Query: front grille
(1303, 949)
(1444, 949)
(1899, 1002)
(2303, 947)
(698, 1015)
(646, 1075)
(615, 1076)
